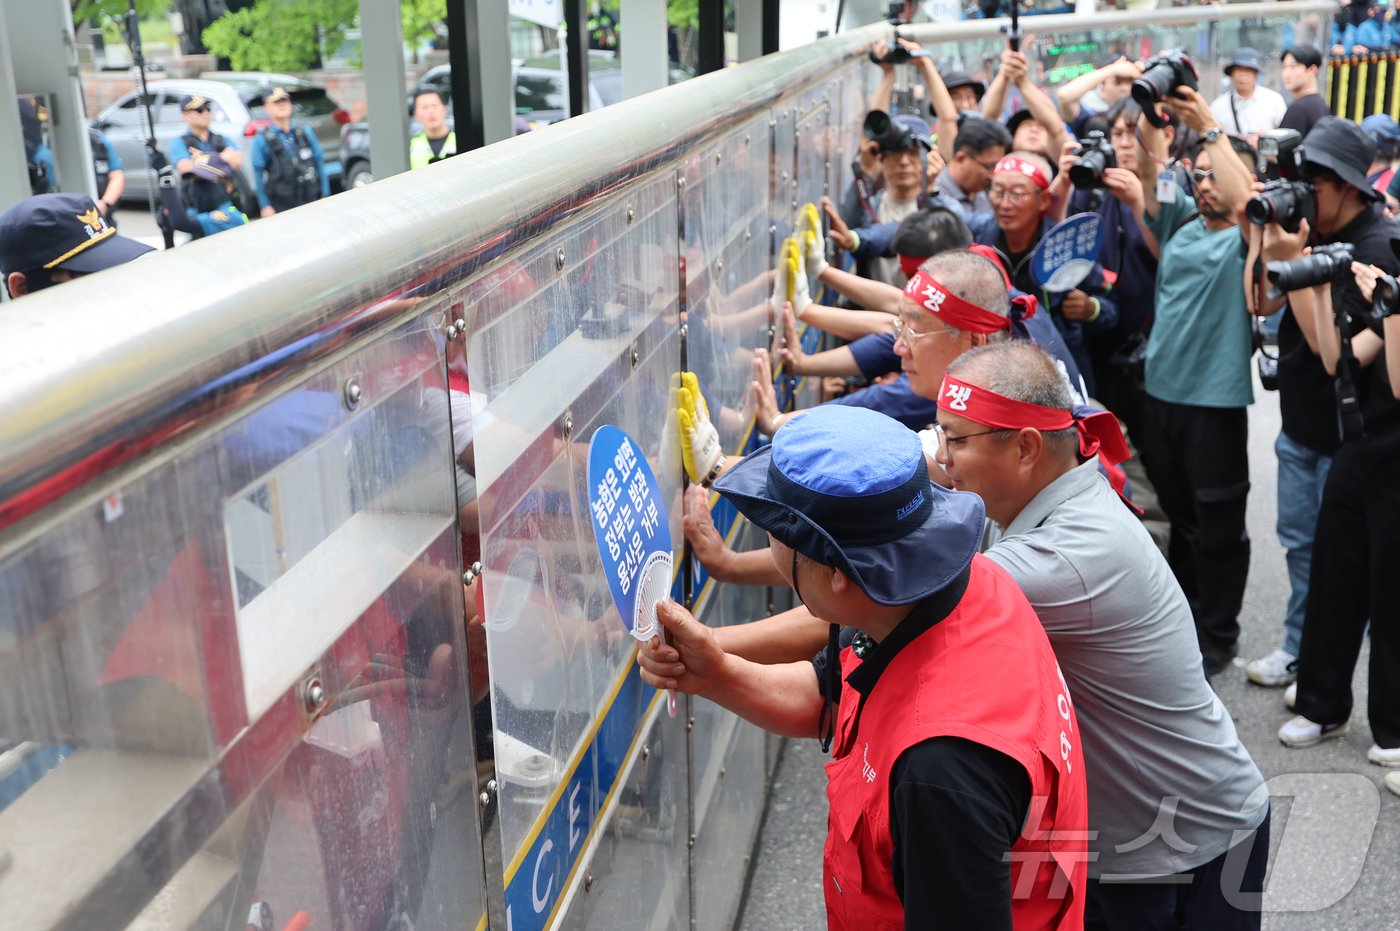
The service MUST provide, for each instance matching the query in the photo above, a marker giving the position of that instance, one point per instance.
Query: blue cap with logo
(67, 231)
(193, 102)
(849, 488)
(210, 166)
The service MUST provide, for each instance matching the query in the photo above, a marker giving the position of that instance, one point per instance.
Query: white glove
(699, 439)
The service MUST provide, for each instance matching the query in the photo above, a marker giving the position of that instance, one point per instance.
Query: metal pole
(711, 57)
(381, 23)
(478, 47)
(576, 21)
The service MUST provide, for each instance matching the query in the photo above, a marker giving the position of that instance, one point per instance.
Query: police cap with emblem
(849, 488)
(67, 231)
(276, 94)
(193, 102)
(210, 166)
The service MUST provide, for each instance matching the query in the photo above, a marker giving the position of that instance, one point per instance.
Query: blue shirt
(896, 400)
(288, 139)
(224, 217)
(1199, 350)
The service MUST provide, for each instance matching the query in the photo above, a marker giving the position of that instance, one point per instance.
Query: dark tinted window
(540, 93)
(127, 112)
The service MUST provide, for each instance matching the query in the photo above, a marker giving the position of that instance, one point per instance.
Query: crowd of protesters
(1026, 391)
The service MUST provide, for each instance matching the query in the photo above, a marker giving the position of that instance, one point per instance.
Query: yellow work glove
(699, 439)
(790, 283)
(810, 238)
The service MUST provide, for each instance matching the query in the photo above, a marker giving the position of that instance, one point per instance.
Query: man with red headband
(1020, 202)
(1160, 748)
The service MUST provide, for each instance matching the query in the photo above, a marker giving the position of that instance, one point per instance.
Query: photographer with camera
(1035, 128)
(1019, 194)
(1198, 385)
(1353, 580)
(1325, 179)
(1088, 176)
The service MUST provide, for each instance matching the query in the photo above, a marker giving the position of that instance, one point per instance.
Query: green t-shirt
(1200, 345)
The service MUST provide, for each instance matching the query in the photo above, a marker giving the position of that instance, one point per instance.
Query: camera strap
(1235, 113)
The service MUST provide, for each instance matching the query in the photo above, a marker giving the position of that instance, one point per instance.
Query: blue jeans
(1302, 474)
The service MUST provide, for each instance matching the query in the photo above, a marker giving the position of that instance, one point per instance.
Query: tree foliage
(279, 35)
(84, 10)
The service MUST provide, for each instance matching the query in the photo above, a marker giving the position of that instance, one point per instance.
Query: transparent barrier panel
(591, 340)
(241, 677)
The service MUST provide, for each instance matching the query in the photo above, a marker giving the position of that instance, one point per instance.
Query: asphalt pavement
(1335, 839)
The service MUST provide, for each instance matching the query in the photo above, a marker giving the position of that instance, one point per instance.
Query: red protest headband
(931, 295)
(1023, 167)
(909, 264)
(1099, 433)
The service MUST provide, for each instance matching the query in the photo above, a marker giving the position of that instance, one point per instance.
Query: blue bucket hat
(849, 488)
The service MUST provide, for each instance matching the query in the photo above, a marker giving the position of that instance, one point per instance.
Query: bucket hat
(1343, 148)
(849, 488)
(1244, 57)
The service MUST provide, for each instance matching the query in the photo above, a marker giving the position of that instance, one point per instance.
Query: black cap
(956, 77)
(1014, 121)
(64, 231)
(1244, 57)
(1343, 148)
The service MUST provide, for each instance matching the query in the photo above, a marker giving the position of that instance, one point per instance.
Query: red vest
(984, 673)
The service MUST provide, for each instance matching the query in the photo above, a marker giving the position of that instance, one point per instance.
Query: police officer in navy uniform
(109, 172)
(210, 208)
(48, 239)
(288, 165)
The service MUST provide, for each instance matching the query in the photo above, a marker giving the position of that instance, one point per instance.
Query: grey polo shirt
(971, 203)
(1169, 781)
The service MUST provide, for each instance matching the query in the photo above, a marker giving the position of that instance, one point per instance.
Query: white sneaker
(1277, 669)
(1290, 696)
(1392, 782)
(1300, 732)
(1383, 757)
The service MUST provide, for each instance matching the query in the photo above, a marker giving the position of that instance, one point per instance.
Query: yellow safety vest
(420, 150)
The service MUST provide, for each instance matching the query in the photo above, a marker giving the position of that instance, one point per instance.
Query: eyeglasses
(946, 442)
(990, 168)
(1202, 174)
(907, 334)
(1012, 195)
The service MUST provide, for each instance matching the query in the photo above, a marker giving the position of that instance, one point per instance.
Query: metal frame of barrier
(232, 660)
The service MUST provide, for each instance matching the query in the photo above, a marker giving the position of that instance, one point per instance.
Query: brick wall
(346, 86)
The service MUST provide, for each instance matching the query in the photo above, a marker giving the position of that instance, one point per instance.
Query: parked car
(238, 115)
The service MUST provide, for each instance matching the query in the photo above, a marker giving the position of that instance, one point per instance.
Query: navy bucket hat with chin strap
(849, 488)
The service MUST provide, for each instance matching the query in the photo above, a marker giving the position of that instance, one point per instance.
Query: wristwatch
(1212, 134)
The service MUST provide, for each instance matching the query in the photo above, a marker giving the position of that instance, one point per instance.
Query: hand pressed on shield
(705, 541)
(767, 415)
(689, 662)
(812, 241)
(700, 447)
(791, 355)
(790, 282)
(837, 230)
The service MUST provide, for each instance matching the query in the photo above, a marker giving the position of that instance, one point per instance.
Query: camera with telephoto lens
(1161, 76)
(1325, 264)
(1286, 203)
(896, 55)
(1279, 149)
(1095, 154)
(890, 134)
(1386, 298)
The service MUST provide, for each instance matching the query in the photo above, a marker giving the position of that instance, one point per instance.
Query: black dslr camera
(1095, 154)
(1325, 264)
(1163, 74)
(890, 135)
(1279, 149)
(1286, 203)
(896, 55)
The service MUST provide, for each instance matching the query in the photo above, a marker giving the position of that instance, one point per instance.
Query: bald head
(1022, 371)
(973, 278)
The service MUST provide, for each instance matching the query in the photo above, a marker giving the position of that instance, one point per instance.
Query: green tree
(419, 19)
(280, 35)
(84, 10)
